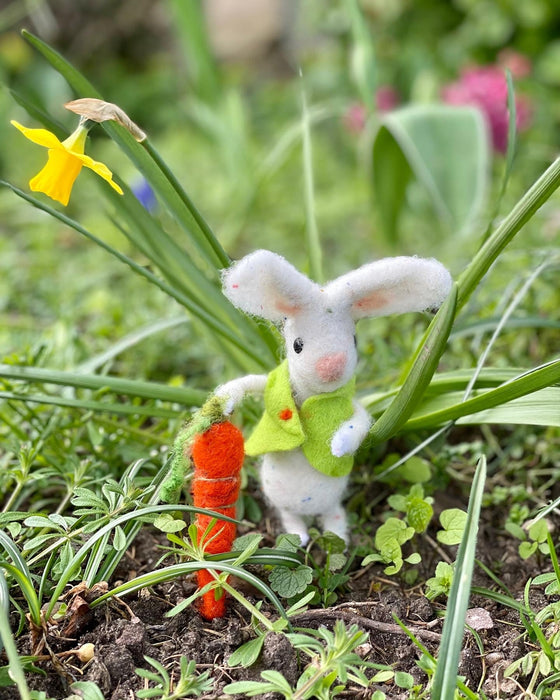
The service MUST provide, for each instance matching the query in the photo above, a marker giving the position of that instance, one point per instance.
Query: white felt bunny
(312, 426)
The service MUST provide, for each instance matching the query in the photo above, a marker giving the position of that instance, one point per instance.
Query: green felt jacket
(282, 427)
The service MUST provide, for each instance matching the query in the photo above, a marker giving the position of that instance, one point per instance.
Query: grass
(85, 438)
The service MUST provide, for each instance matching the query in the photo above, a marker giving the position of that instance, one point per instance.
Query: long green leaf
(20, 571)
(26, 585)
(527, 383)
(129, 341)
(523, 211)
(16, 668)
(411, 140)
(445, 678)
(127, 387)
(207, 318)
(84, 550)
(146, 159)
(170, 573)
(538, 408)
(262, 557)
(447, 382)
(96, 406)
(541, 407)
(13, 552)
(190, 27)
(314, 251)
(420, 374)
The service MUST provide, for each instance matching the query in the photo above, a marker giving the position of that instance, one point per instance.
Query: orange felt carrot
(217, 455)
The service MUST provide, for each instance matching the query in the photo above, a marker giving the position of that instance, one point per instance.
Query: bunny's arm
(234, 391)
(352, 432)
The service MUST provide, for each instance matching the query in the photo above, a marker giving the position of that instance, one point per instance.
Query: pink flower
(485, 87)
(386, 99)
(519, 64)
(354, 119)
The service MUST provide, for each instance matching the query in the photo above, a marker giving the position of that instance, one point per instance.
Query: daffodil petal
(100, 169)
(57, 178)
(42, 137)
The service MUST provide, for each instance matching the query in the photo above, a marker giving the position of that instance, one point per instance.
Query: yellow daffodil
(65, 160)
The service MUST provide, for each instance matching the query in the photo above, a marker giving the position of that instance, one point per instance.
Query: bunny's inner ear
(265, 284)
(392, 285)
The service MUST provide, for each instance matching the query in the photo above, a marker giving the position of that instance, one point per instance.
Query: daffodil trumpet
(65, 161)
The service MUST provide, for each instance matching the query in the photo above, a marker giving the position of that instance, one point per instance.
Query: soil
(124, 632)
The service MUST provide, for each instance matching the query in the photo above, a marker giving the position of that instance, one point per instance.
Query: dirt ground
(123, 632)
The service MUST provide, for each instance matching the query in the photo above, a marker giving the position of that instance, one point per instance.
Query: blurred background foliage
(220, 95)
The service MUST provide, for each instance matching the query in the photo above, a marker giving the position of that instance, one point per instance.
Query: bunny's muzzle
(330, 368)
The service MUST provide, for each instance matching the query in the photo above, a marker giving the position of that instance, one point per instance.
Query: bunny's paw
(232, 394)
(345, 441)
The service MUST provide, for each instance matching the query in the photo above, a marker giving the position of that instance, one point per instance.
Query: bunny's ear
(265, 284)
(392, 286)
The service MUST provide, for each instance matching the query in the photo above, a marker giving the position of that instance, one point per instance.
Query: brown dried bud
(86, 652)
(100, 111)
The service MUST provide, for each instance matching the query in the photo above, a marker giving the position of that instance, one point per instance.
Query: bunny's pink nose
(330, 368)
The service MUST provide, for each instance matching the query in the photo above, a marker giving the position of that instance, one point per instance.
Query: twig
(366, 623)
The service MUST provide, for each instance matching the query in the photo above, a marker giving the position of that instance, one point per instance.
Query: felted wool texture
(265, 284)
(209, 413)
(327, 334)
(208, 606)
(391, 286)
(283, 427)
(318, 326)
(217, 454)
(215, 494)
(219, 451)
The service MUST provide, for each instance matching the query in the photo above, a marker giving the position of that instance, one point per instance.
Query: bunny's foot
(295, 524)
(335, 521)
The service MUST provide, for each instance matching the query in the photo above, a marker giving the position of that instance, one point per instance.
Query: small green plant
(193, 558)
(534, 536)
(248, 653)
(394, 533)
(453, 522)
(440, 583)
(330, 572)
(543, 660)
(289, 583)
(389, 539)
(165, 687)
(542, 627)
(332, 656)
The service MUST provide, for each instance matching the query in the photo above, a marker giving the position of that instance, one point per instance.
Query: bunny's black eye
(355, 340)
(298, 345)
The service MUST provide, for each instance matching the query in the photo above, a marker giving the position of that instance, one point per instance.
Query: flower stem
(220, 253)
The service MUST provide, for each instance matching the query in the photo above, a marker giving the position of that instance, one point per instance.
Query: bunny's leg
(298, 490)
(335, 521)
(294, 524)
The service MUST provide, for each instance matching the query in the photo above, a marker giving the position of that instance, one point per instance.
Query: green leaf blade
(420, 374)
(445, 679)
(410, 141)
